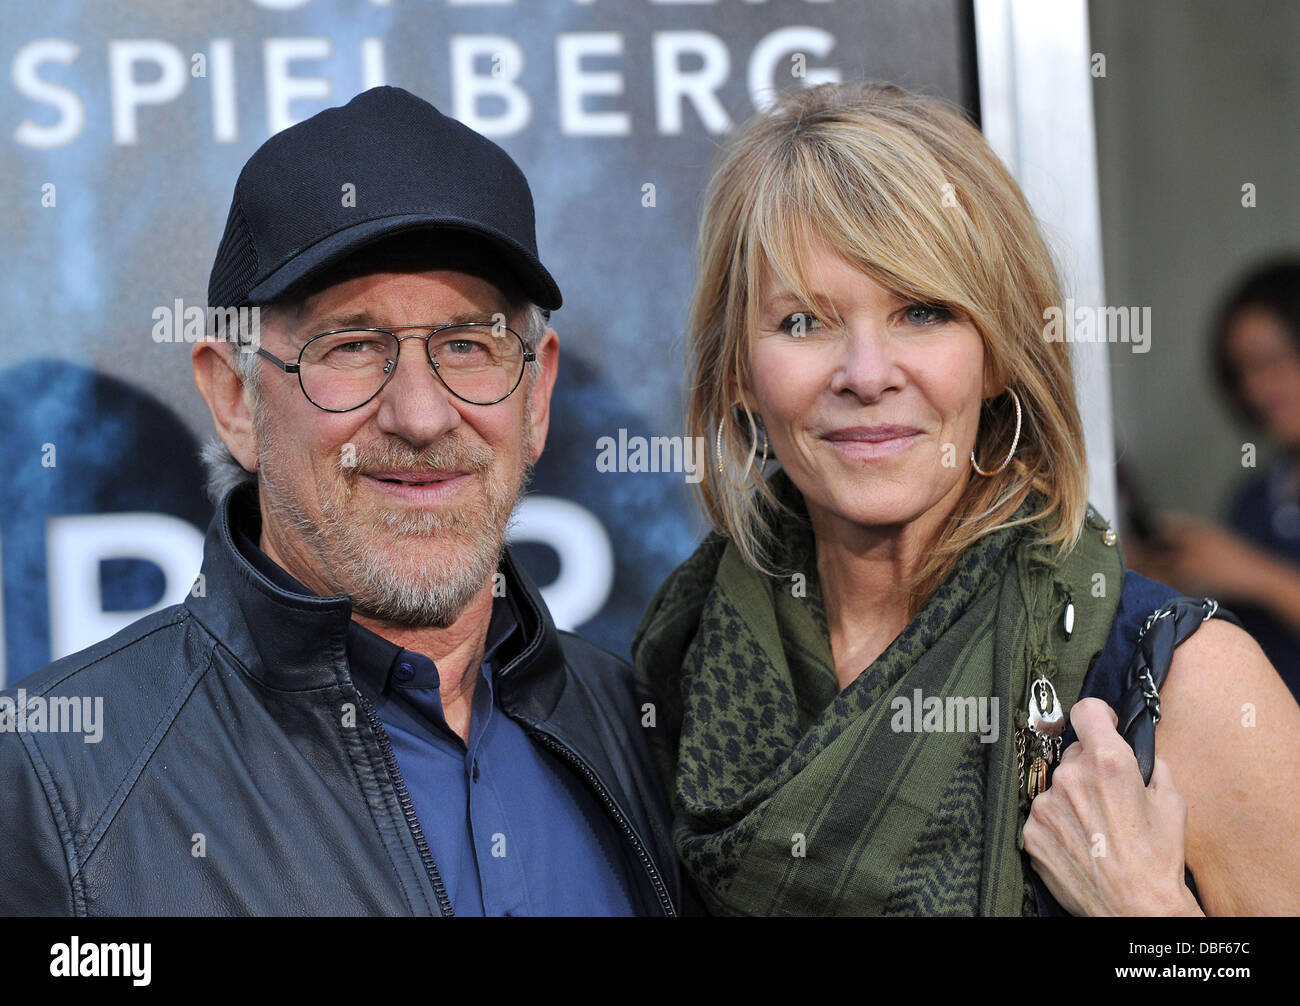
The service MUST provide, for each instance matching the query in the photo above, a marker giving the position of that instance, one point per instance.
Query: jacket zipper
(408, 808)
(574, 759)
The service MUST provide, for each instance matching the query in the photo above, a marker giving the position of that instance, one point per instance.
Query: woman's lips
(868, 443)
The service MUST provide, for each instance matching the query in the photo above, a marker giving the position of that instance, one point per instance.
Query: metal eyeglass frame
(296, 368)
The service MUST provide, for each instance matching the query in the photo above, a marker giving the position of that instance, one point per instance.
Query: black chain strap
(1164, 629)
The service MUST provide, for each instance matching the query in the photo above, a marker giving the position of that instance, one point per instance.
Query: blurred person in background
(1252, 563)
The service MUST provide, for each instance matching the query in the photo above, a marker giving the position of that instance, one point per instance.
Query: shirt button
(476, 770)
(405, 672)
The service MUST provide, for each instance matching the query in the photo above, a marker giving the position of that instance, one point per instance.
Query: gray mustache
(450, 454)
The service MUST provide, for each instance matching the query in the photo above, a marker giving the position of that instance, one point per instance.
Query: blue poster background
(124, 127)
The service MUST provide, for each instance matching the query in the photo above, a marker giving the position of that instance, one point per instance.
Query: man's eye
(463, 347)
(927, 314)
(353, 347)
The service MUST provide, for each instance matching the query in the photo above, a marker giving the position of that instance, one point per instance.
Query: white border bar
(1036, 110)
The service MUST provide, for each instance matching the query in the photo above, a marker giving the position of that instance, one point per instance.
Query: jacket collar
(288, 641)
(533, 670)
(296, 642)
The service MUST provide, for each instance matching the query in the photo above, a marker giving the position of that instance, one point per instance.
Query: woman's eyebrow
(779, 297)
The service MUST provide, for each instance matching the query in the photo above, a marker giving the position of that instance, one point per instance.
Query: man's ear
(229, 401)
(539, 392)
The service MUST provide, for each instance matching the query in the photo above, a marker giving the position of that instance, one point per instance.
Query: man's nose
(415, 405)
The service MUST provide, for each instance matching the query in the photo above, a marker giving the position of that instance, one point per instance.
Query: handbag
(1139, 707)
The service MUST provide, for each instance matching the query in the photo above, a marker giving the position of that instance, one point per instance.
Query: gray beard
(435, 588)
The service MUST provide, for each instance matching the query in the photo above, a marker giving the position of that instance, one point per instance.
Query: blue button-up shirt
(512, 829)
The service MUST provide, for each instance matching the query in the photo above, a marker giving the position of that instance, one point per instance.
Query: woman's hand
(1103, 843)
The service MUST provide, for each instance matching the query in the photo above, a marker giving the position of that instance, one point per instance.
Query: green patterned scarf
(794, 798)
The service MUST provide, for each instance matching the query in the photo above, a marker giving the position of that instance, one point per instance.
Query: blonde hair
(903, 187)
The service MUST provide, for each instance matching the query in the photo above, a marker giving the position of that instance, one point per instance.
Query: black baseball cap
(409, 167)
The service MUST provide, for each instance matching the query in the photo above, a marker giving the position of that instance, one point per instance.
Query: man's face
(341, 506)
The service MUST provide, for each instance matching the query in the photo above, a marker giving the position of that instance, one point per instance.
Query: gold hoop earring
(761, 465)
(1015, 442)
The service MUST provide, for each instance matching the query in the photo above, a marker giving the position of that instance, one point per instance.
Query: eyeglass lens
(481, 364)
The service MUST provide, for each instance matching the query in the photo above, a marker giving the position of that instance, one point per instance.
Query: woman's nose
(865, 366)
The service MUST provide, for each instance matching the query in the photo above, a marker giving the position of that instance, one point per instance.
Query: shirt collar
(379, 665)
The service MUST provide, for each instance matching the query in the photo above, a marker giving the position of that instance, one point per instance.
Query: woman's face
(874, 420)
(1267, 363)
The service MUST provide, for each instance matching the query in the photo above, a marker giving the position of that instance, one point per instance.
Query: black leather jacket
(241, 772)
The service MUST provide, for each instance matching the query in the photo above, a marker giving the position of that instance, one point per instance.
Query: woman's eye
(927, 314)
(799, 323)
